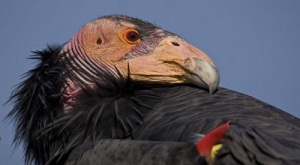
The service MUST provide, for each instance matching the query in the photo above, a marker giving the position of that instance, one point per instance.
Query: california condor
(124, 91)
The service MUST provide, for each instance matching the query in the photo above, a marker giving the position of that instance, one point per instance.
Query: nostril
(175, 43)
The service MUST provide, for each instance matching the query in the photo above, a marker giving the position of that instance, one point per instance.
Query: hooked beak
(175, 61)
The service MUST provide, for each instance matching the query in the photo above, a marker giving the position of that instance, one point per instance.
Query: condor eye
(132, 36)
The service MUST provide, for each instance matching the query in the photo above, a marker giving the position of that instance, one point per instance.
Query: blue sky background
(255, 44)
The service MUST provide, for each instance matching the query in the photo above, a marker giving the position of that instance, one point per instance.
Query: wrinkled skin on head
(140, 50)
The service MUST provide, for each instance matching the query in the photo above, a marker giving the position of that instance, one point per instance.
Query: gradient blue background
(255, 44)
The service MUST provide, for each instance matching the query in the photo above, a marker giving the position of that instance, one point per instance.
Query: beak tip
(211, 90)
(205, 75)
(213, 87)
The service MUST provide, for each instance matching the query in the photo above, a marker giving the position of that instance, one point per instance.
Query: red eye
(132, 36)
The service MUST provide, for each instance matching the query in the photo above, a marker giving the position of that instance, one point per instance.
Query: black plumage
(127, 122)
